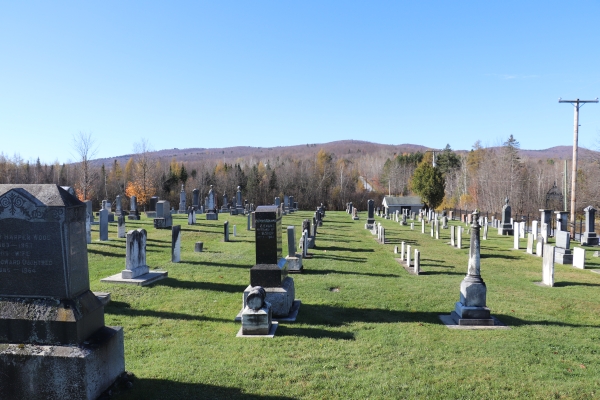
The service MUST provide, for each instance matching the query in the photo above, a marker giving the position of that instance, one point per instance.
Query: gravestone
(522, 229)
(136, 270)
(530, 243)
(534, 229)
(191, 215)
(225, 206)
(270, 270)
(134, 213)
(248, 222)
(412, 226)
(121, 226)
(198, 247)
(562, 252)
(153, 201)
(90, 213)
(370, 214)
(437, 229)
(539, 246)
(545, 232)
(294, 260)
(54, 344)
(239, 205)
(485, 232)
(459, 230)
(408, 263)
(211, 206)
(506, 228)
(402, 249)
(545, 218)
(277, 201)
(354, 213)
(423, 226)
(176, 243)
(561, 220)
(548, 265)
(182, 201)
(234, 231)
(226, 231)
(471, 309)
(164, 219)
(589, 237)
(195, 198)
(516, 236)
(452, 232)
(103, 225)
(118, 205)
(579, 257)
(417, 262)
(256, 317)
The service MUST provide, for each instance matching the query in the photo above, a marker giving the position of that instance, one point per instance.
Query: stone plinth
(281, 297)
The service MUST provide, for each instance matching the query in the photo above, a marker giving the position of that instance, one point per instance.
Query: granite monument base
(257, 322)
(83, 372)
(294, 264)
(163, 223)
(369, 226)
(563, 256)
(141, 280)
(281, 298)
(463, 315)
(589, 239)
(212, 216)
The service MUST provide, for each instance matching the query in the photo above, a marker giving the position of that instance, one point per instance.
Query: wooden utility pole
(577, 104)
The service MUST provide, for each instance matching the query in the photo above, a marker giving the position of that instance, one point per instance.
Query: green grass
(378, 337)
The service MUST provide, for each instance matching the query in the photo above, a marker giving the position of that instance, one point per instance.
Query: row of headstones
(405, 251)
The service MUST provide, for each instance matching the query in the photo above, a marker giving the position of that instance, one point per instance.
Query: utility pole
(577, 104)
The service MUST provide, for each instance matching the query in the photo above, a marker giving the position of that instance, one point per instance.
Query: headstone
(121, 226)
(417, 267)
(579, 257)
(277, 201)
(562, 252)
(506, 228)
(294, 260)
(444, 222)
(396, 250)
(239, 205)
(198, 247)
(134, 213)
(545, 218)
(530, 243)
(176, 243)
(191, 215)
(589, 237)
(153, 201)
(539, 246)
(211, 206)
(256, 317)
(119, 205)
(516, 236)
(561, 220)
(459, 230)
(370, 214)
(270, 270)
(545, 232)
(452, 233)
(234, 231)
(195, 198)
(423, 226)
(522, 230)
(103, 224)
(471, 309)
(90, 213)
(485, 232)
(548, 265)
(182, 200)
(225, 206)
(164, 219)
(248, 221)
(534, 229)
(54, 341)
(437, 228)
(412, 226)
(408, 263)
(226, 231)
(402, 248)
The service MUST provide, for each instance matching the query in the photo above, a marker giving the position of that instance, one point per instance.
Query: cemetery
(370, 324)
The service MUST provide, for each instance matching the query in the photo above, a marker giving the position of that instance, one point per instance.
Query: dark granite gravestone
(268, 235)
(48, 315)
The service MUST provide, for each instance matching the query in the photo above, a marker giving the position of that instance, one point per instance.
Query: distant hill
(346, 148)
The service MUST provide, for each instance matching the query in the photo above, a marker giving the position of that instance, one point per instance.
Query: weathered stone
(548, 265)
(176, 243)
(579, 258)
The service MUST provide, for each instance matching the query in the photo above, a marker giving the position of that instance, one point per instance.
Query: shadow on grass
(332, 271)
(313, 333)
(440, 272)
(157, 240)
(337, 248)
(514, 321)
(122, 308)
(105, 253)
(505, 256)
(567, 283)
(214, 286)
(339, 258)
(216, 264)
(172, 390)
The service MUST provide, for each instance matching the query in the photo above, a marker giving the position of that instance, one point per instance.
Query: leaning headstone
(472, 308)
(506, 228)
(176, 243)
(579, 257)
(136, 270)
(121, 226)
(104, 224)
(589, 237)
(54, 341)
(294, 260)
(562, 252)
(548, 265)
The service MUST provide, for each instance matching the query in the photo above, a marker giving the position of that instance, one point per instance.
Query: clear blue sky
(221, 73)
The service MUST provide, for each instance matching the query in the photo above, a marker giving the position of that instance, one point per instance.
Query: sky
(277, 73)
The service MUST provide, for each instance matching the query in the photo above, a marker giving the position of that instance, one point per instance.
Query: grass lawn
(376, 337)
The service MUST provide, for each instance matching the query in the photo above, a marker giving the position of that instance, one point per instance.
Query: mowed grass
(378, 337)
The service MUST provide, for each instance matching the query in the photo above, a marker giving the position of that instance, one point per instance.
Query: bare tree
(85, 149)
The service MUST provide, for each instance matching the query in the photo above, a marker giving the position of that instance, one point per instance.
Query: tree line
(480, 178)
